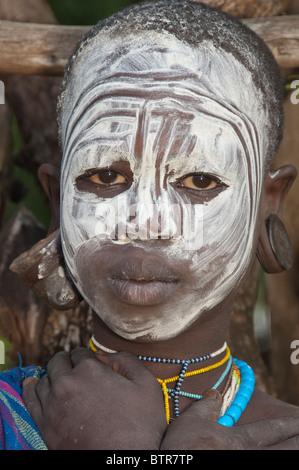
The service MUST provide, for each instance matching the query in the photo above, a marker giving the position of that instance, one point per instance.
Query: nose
(127, 218)
(151, 219)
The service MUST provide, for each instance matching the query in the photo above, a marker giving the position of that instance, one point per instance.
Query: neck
(204, 337)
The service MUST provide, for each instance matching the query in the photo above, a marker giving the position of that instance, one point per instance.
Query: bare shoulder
(263, 406)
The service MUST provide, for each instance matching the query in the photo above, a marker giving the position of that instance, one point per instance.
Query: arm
(113, 402)
(197, 429)
(104, 402)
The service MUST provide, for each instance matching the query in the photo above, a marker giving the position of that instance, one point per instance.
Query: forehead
(159, 132)
(114, 63)
(125, 96)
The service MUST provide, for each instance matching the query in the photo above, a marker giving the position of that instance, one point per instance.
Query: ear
(274, 250)
(49, 177)
(277, 185)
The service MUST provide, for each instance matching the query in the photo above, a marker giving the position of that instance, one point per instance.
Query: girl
(170, 116)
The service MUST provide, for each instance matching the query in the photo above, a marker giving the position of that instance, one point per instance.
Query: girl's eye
(107, 178)
(201, 182)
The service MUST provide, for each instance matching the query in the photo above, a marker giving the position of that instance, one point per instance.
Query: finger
(271, 432)
(31, 399)
(59, 365)
(42, 389)
(279, 430)
(127, 365)
(289, 444)
(208, 408)
(80, 354)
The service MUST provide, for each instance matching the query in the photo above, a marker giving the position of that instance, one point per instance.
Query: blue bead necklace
(238, 403)
(243, 395)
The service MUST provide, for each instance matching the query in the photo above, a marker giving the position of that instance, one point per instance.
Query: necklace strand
(235, 396)
(179, 379)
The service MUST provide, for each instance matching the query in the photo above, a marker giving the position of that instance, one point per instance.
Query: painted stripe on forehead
(141, 114)
(194, 98)
(132, 84)
(125, 94)
(147, 79)
(173, 102)
(119, 79)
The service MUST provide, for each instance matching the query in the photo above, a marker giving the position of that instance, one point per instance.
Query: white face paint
(157, 115)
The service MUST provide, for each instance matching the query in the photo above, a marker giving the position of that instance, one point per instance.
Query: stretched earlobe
(274, 250)
(42, 268)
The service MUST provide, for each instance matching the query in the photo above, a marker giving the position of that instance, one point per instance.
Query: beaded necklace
(235, 396)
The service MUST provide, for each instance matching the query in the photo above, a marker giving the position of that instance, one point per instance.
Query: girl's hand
(97, 401)
(197, 429)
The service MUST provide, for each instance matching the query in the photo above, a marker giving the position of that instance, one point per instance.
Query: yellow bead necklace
(94, 346)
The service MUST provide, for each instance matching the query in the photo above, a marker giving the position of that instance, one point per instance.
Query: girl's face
(161, 187)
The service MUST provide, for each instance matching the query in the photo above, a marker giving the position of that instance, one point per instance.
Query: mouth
(142, 292)
(143, 281)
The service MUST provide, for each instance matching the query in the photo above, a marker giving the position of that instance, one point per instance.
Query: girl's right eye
(105, 182)
(200, 182)
(106, 178)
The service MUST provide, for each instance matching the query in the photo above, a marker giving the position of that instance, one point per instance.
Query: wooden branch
(38, 49)
(281, 33)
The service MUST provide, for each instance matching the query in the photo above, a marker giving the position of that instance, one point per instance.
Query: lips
(131, 274)
(142, 279)
(144, 293)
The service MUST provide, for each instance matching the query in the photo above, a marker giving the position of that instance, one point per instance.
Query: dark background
(86, 12)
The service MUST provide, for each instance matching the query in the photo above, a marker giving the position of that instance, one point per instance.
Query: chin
(151, 331)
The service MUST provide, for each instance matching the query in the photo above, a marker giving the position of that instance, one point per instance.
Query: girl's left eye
(107, 178)
(200, 181)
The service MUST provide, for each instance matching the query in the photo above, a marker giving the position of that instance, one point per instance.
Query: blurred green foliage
(26, 185)
(87, 12)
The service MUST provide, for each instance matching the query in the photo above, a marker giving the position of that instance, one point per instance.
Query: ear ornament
(274, 249)
(42, 268)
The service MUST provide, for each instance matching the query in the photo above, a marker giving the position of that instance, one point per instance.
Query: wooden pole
(36, 49)
(42, 49)
(281, 34)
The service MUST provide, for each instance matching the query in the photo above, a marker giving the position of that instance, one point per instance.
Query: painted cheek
(227, 241)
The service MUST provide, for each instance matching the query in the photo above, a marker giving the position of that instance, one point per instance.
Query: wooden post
(38, 49)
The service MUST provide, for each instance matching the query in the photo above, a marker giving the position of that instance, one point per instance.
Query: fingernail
(29, 380)
(211, 394)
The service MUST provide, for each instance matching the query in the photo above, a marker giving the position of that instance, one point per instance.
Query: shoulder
(263, 406)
